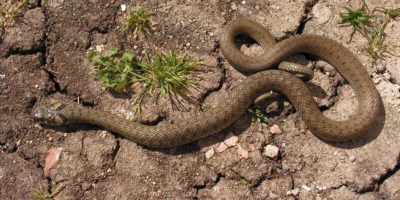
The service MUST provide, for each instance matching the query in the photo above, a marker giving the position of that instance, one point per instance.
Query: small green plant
(392, 13)
(139, 22)
(376, 43)
(42, 194)
(247, 183)
(171, 73)
(257, 114)
(372, 25)
(115, 69)
(10, 10)
(359, 19)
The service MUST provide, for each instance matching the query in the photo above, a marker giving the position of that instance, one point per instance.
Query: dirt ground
(44, 56)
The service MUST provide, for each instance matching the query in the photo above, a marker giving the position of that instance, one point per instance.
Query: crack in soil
(116, 150)
(375, 183)
(201, 187)
(220, 84)
(20, 52)
(306, 16)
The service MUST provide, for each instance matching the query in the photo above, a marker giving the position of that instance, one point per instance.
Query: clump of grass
(359, 19)
(392, 13)
(115, 69)
(170, 73)
(247, 183)
(138, 21)
(42, 194)
(257, 114)
(10, 10)
(372, 25)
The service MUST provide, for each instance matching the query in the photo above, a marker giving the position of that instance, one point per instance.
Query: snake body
(242, 96)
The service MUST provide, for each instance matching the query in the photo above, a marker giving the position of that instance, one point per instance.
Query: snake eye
(58, 120)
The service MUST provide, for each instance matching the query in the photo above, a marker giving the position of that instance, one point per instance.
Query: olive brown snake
(243, 95)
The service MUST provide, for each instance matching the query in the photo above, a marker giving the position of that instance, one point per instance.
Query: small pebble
(221, 147)
(2, 173)
(380, 68)
(271, 151)
(294, 192)
(99, 48)
(210, 153)
(386, 76)
(377, 80)
(352, 158)
(123, 7)
(231, 140)
(272, 195)
(233, 6)
(275, 129)
(243, 153)
(306, 188)
(52, 158)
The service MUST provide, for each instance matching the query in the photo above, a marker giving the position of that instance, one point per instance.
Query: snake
(264, 77)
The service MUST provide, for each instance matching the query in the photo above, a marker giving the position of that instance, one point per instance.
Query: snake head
(50, 115)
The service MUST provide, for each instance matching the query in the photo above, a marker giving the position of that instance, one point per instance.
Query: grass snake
(243, 94)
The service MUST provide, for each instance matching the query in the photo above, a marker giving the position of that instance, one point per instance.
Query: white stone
(123, 7)
(221, 147)
(271, 151)
(231, 140)
(352, 158)
(210, 153)
(306, 188)
(275, 129)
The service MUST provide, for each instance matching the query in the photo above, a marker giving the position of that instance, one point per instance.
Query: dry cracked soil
(44, 56)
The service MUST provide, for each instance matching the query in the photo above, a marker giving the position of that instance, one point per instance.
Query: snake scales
(242, 96)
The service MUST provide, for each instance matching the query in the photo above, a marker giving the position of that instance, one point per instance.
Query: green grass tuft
(170, 73)
(41, 194)
(392, 13)
(359, 19)
(10, 10)
(138, 21)
(372, 25)
(257, 114)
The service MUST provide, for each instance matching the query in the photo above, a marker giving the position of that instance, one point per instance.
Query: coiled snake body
(242, 96)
